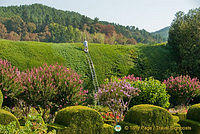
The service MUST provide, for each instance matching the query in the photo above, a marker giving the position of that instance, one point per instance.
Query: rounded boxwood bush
(81, 118)
(194, 113)
(1, 98)
(149, 115)
(7, 117)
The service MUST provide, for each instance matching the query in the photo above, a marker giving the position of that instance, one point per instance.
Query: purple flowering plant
(116, 94)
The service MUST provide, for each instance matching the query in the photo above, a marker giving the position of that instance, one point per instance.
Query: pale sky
(150, 15)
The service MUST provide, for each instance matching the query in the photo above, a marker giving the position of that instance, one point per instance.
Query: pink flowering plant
(182, 89)
(117, 96)
(52, 87)
(9, 81)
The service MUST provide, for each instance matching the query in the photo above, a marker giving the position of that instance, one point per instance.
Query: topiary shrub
(80, 119)
(145, 119)
(7, 117)
(193, 127)
(1, 98)
(149, 115)
(182, 116)
(107, 129)
(194, 113)
(152, 92)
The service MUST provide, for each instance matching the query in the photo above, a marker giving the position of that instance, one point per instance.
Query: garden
(51, 99)
(143, 89)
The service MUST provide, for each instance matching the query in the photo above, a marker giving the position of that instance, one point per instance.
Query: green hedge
(80, 119)
(7, 117)
(131, 128)
(182, 116)
(194, 113)
(1, 98)
(107, 129)
(195, 126)
(149, 115)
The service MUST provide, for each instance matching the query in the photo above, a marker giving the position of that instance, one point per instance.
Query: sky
(151, 15)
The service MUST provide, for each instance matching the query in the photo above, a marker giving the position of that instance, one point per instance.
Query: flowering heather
(117, 96)
(9, 81)
(182, 89)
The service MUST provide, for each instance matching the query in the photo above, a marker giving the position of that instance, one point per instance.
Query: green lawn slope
(140, 60)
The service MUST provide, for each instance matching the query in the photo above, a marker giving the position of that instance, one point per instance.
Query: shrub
(9, 82)
(1, 99)
(182, 116)
(52, 87)
(117, 96)
(193, 127)
(149, 115)
(182, 89)
(7, 117)
(145, 119)
(107, 129)
(194, 113)
(152, 92)
(80, 119)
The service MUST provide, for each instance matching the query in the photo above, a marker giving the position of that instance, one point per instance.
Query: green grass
(141, 60)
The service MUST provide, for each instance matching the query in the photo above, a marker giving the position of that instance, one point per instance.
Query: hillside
(164, 33)
(140, 60)
(42, 23)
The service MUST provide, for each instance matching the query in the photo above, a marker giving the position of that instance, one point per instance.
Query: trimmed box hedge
(194, 113)
(81, 119)
(146, 119)
(7, 117)
(149, 115)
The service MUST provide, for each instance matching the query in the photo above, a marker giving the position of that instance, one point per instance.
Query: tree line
(41, 23)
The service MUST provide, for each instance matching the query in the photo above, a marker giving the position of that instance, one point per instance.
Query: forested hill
(42, 23)
(164, 33)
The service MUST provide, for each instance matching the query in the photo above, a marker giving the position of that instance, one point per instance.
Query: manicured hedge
(80, 119)
(7, 117)
(1, 98)
(107, 129)
(149, 115)
(195, 126)
(146, 119)
(194, 113)
(182, 116)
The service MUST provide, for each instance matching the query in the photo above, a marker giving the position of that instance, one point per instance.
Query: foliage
(81, 119)
(7, 117)
(193, 126)
(9, 82)
(107, 129)
(149, 115)
(117, 96)
(182, 89)
(30, 22)
(33, 125)
(1, 98)
(109, 60)
(152, 92)
(193, 113)
(52, 87)
(184, 41)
